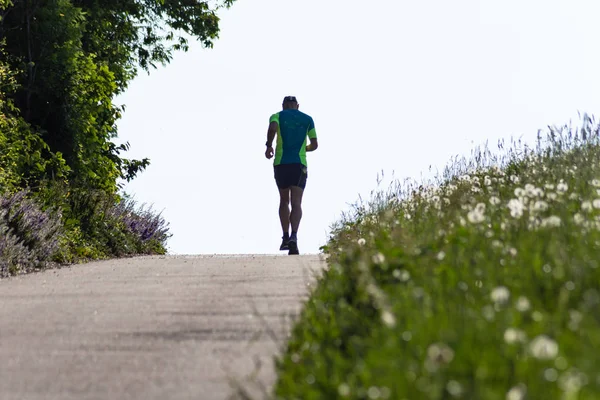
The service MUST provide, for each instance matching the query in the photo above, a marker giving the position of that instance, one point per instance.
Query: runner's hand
(270, 152)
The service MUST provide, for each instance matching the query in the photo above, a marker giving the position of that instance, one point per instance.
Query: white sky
(392, 85)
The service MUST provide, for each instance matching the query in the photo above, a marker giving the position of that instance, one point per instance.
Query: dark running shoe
(293, 245)
(284, 244)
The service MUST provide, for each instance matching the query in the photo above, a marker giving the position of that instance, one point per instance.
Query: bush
(483, 284)
(29, 236)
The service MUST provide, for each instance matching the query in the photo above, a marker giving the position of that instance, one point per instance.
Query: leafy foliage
(61, 64)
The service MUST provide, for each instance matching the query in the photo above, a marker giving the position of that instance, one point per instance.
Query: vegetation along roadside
(482, 284)
(62, 62)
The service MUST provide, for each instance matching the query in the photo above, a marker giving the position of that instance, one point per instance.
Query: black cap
(289, 98)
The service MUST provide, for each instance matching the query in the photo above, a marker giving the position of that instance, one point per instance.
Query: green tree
(77, 55)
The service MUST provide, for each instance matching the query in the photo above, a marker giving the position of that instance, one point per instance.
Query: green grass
(483, 284)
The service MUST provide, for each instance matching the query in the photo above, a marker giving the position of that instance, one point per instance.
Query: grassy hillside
(484, 284)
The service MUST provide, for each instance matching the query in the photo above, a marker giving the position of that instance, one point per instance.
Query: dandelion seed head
(440, 353)
(477, 215)
(344, 390)
(454, 388)
(361, 242)
(513, 335)
(494, 201)
(537, 316)
(516, 207)
(540, 206)
(551, 375)
(500, 295)
(552, 221)
(543, 348)
(523, 304)
(572, 381)
(562, 187)
(388, 319)
(517, 393)
(378, 259)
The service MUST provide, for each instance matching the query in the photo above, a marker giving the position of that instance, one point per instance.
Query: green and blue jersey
(293, 127)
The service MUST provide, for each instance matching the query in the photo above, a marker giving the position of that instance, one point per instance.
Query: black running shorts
(287, 175)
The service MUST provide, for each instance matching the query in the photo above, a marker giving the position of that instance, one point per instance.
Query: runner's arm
(314, 144)
(271, 133)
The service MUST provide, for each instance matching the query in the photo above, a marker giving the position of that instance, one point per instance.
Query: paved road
(175, 327)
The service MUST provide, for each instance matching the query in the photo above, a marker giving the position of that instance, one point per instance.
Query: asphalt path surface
(172, 327)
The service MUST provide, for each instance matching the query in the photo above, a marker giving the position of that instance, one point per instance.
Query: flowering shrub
(28, 235)
(482, 284)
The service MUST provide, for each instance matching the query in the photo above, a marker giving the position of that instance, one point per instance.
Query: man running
(291, 128)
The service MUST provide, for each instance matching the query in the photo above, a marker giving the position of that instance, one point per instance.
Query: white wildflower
(519, 192)
(494, 201)
(374, 393)
(378, 258)
(388, 319)
(513, 335)
(543, 348)
(500, 295)
(573, 196)
(487, 181)
(440, 353)
(552, 196)
(441, 255)
(344, 390)
(517, 393)
(596, 203)
(562, 187)
(572, 381)
(454, 388)
(586, 206)
(579, 219)
(530, 190)
(361, 242)
(551, 375)
(516, 208)
(549, 186)
(540, 206)
(595, 182)
(478, 214)
(523, 304)
(514, 179)
(552, 221)
(475, 189)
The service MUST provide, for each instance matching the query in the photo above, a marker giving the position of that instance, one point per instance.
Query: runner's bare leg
(284, 209)
(296, 214)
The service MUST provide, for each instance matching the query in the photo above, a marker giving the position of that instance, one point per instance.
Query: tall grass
(483, 283)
